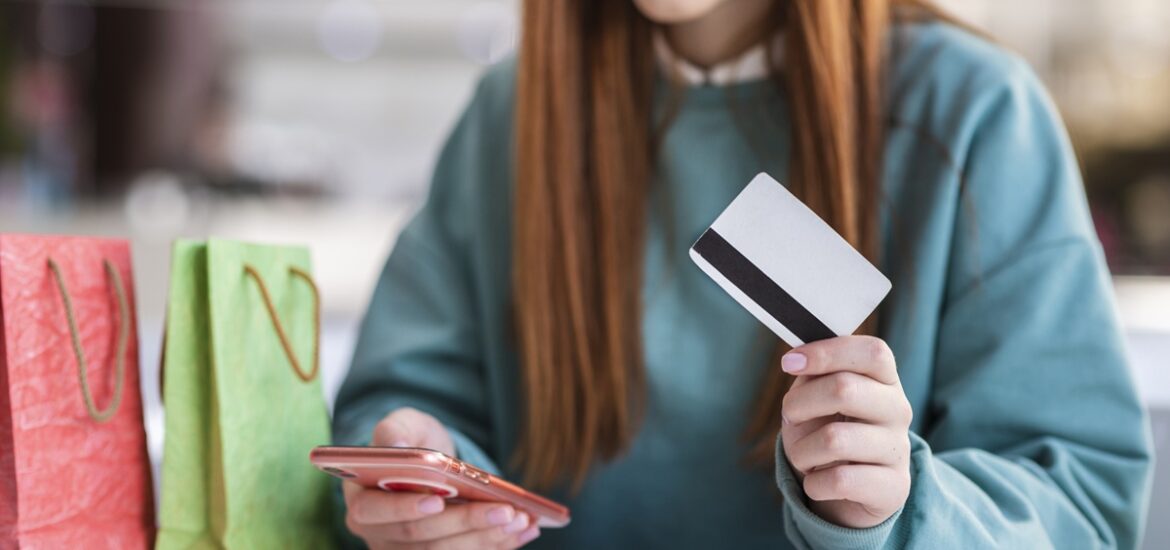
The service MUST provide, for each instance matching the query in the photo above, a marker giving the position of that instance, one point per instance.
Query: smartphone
(429, 471)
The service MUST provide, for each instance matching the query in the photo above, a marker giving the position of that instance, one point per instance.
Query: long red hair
(584, 157)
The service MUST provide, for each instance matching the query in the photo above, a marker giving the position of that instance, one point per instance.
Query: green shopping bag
(243, 401)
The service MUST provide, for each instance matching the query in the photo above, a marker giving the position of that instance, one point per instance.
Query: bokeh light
(350, 30)
(487, 32)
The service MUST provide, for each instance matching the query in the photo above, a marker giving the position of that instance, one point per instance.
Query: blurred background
(317, 122)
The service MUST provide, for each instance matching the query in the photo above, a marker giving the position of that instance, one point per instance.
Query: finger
(877, 488)
(852, 442)
(866, 355)
(791, 433)
(848, 394)
(407, 427)
(370, 507)
(456, 520)
(527, 536)
(349, 489)
(495, 537)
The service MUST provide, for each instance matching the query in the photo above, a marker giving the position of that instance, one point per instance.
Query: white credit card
(788, 267)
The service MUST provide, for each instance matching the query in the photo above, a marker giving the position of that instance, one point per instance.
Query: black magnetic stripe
(760, 288)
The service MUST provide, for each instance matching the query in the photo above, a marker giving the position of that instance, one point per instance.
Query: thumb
(407, 427)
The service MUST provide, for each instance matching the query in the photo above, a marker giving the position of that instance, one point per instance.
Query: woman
(541, 319)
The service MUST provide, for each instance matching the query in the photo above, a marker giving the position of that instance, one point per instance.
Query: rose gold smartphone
(428, 471)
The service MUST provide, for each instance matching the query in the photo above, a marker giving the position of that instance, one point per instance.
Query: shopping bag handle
(101, 415)
(280, 333)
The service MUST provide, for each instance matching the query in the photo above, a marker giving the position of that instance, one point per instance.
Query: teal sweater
(1027, 430)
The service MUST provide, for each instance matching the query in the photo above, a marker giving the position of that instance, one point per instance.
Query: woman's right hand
(412, 520)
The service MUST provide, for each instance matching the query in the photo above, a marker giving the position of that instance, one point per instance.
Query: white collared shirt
(751, 65)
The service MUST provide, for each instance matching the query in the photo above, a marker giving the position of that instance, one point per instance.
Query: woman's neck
(726, 32)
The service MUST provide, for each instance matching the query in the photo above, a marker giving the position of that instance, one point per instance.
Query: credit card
(788, 267)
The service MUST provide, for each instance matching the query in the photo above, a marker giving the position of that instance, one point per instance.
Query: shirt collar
(749, 66)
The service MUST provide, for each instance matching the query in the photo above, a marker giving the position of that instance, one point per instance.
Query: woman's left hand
(846, 429)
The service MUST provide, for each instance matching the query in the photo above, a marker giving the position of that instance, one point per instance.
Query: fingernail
(793, 362)
(400, 443)
(527, 536)
(501, 515)
(785, 420)
(517, 524)
(431, 505)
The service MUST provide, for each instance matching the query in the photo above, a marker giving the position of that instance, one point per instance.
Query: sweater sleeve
(419, 344)
(1034, 437)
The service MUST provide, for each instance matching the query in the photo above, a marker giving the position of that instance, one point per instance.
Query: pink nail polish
(793, 362)
(517, 524)
(500, 516)
(430, 505)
